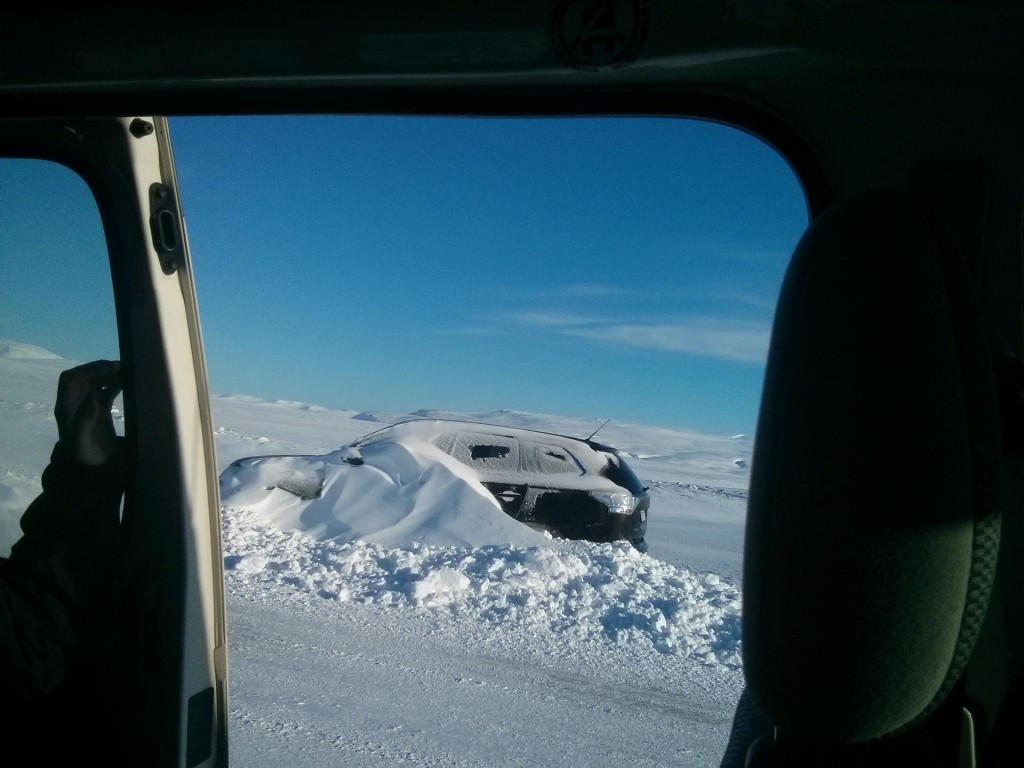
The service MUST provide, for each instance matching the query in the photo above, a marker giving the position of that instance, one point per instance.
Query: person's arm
(64, 565)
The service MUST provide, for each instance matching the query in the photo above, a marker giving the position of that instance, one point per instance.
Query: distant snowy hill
(15, 349)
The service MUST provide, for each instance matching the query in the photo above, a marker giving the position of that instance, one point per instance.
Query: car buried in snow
(574, 488)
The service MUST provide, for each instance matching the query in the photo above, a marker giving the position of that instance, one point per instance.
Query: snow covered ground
(525, 652)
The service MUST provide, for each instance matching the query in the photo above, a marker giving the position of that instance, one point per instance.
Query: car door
(163, 687)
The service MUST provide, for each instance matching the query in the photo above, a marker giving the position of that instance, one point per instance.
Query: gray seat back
(873, 522)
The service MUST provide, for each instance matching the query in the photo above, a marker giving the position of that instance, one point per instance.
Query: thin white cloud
(752, 300)
(557, 320)
(592, 291)
(742, 342)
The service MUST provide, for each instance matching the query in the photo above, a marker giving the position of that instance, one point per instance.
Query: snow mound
(573, 592)
(391, 494)
(368, 416)
(18, 350)
(380, 417)
(300, 406)
(240, 398)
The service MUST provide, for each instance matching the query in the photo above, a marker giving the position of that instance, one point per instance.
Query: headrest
(870, 544)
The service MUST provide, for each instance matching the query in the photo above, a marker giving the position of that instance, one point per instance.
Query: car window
(610, 278)
(56, 310)
(618, 471)
(489, 453)
(549, 460)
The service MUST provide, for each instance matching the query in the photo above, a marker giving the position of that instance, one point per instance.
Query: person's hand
(85, 396)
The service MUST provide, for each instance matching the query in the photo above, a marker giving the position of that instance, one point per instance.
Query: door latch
(165, 228)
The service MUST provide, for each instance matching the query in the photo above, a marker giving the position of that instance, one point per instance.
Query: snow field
(572, 592)
(344, 652)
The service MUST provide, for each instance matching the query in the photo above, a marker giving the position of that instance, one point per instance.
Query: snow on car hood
(406, 490)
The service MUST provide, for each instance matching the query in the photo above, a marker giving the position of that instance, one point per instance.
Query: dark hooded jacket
(56, 586)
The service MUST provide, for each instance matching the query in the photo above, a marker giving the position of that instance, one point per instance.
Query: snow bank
(572, 592)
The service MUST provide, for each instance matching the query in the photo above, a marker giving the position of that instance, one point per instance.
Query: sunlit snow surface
(577, 590)
(546, 653)
(424, 648)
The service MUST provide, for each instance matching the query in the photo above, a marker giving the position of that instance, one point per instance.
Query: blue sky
(622, 268)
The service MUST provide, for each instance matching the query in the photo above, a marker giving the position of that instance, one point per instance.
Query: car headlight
(617, 503)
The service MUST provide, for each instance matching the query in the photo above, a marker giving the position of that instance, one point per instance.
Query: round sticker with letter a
(598, 35)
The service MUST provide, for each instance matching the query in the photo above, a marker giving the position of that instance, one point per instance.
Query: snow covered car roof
(497, 452)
